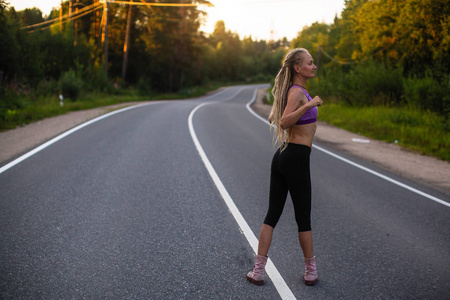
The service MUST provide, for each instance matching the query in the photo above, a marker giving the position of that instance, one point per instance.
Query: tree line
(166, 50)
(388, 52)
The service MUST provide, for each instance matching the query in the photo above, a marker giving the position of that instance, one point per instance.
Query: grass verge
(424, 132)
(29, 108)
(421, 131)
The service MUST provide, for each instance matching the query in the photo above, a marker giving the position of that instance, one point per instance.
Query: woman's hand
(316, 101)
(297, 105)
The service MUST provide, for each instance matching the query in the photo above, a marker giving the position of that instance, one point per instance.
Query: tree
(408, 32)
(312, 37)
(172, 44)
(227, 47)
(8, 45)
(422, 29)
(30, 16)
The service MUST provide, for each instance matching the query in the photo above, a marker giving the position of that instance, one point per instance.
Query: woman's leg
(299, 182)
(277, 199)
(265, 239)
(306, 242)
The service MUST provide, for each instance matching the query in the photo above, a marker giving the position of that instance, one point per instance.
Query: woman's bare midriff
(302, 134)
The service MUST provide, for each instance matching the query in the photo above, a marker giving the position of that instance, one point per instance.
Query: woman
(294, 112)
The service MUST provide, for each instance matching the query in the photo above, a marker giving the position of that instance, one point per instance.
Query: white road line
(360, 166)
(384, 177)
(251, 110)
(271, 270)
(63, 135)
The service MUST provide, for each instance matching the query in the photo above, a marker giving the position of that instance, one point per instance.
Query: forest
(166, 51)
(378, 53)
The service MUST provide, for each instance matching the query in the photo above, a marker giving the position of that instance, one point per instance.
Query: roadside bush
(99, 81)
(263, 78)
(71, 85)
(47, 87)
(144, 87)
(427, 93)
(373, 83)
(330, 83)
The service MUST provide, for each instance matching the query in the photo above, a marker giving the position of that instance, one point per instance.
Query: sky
(260, 19)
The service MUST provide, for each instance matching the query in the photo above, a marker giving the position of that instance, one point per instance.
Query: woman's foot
(310, 271)
(256, 275)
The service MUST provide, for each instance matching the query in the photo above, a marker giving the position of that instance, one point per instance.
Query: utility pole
(97, 24)
(76, 24)
(126, 46)
(100, 27)
(105, 38)
(70, 11)
(60, 16)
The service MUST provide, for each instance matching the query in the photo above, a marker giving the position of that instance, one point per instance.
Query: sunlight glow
(261, 19)
(271, 19)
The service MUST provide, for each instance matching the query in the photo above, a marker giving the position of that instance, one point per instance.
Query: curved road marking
(358, 165)
(63, 135)
(271, 270)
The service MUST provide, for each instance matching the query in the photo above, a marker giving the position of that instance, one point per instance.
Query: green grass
(421, 131)
(19, 110)
(31, 110)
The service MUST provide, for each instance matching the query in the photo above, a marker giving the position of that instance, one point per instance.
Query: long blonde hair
(282, 83)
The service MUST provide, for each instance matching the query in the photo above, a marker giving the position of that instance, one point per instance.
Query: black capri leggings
(290, 172)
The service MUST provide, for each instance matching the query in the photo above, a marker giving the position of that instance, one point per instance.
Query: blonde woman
(293, 115)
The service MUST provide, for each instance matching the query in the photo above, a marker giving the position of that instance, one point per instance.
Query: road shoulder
(17, 141)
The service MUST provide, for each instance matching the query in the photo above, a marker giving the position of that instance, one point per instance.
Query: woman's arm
(297, 105)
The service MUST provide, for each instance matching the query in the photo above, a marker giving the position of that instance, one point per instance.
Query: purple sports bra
(310, 116)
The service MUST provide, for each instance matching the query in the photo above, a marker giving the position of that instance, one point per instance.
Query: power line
(72, 18)
(99, 5)
(89, 8)
(352, 61)
(104, 4)
(342, 62)
(157, 4)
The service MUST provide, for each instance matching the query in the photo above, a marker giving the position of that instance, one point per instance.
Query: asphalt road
(125, 208)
